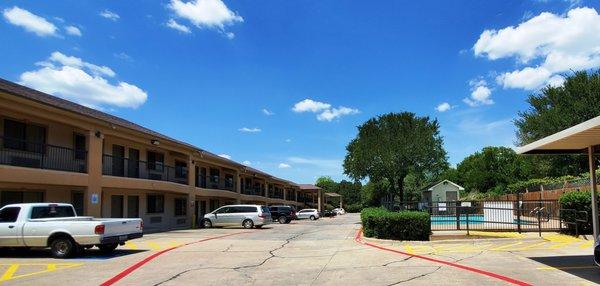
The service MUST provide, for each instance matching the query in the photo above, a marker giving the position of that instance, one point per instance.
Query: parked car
(57, 226)
(311, 214)
(339, 211)
(282, 214)
(247, 216)
(329, 213)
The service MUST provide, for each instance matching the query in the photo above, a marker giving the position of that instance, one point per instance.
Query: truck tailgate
(121, 226)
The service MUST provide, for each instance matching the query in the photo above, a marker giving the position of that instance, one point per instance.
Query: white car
(57, 226)
(339, 211)
(247, 216)
(311, 214)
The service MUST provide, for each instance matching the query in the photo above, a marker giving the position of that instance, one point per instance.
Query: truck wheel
(312, 217)
(248, 224)
(62, 247)
(282, 220)
(108, 248)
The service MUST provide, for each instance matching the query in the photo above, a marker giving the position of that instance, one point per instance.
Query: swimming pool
(473, 219)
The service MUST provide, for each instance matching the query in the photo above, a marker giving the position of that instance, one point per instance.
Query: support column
(238, 187)
(93, 193)
(191, 199)
(594, 190)
(320, 200)
(341, 202)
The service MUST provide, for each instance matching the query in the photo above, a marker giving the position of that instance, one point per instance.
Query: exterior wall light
(155, 142)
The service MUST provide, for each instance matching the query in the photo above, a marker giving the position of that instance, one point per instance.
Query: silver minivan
(247, 216)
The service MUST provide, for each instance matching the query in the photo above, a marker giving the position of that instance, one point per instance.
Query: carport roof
(569, 141)
(308, 187)
(332, 195)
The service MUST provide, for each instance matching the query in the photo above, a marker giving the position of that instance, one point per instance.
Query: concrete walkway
(323, 252)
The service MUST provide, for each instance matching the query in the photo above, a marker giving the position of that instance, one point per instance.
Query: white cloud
(206, 14)
(85, 83)
(110, 15)
(284, 166)
(267, 112)
(181, 28)
(288, 140)
(123, 56)
(548, 44)
(29, 21)
(250, 130)
(224, 156)
(326, 112)
(480, 94)
(333, 113)
(247, 163)
(444, 106)
(73, 31)
(309, 105)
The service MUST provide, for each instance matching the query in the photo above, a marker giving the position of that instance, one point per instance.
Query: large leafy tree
(491, 169)
(391, 146)
(554, 109)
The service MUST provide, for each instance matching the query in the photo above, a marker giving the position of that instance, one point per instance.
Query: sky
(282, 85)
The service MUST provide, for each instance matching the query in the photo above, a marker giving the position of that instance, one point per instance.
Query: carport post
(592, 164)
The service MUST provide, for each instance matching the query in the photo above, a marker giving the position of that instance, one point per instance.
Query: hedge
(404, 225)
(580, 201)
(354, 208)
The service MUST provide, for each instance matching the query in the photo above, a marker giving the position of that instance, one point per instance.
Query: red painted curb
(141, 263)
(358, 239)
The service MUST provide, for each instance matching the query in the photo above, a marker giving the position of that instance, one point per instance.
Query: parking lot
(323, 252)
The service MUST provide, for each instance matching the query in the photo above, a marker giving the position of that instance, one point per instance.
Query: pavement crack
(396, 261)
(416, 277)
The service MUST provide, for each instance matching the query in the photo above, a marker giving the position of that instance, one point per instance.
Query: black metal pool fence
(498, 215)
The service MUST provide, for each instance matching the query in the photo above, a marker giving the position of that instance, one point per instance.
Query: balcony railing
(124, 167)
(216, 182)
(22, 153)
(254, 191)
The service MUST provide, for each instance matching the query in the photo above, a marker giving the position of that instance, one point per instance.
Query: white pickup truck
(57, 226)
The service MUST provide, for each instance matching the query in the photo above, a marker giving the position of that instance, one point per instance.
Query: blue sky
(282, 85)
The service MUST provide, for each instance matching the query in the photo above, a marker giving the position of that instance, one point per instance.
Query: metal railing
(254, 191)
(123, 167)
(216, 182)
(538, 215)
(22, 153)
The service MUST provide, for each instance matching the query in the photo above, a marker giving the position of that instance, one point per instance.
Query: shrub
(579, 201)
(354, 208)
(404, 225)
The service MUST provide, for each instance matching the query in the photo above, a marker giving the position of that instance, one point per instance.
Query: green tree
(391, 146)
(373, 192)
(327, 183)
(491, 169)
(554, 109)
(351, 192)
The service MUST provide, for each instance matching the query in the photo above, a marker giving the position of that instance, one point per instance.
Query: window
(19, 197)
(180, 169)
(26, 137)
(248, 209)
(223, 210)
(156, 161)
(9, 214)
(155, 204)
(214, 175)
(79, 144)
(265, 209)
(52, 211)
(229, 183)
(180, 207)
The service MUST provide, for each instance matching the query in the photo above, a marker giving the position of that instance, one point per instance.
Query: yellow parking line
(154, 246)
(587, 244)
(8, 274)
(409, 249)
(530, 246)
(559, 245)
(131, 245)
(506, 246)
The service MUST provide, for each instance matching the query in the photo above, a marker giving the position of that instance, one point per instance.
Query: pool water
(473, 219)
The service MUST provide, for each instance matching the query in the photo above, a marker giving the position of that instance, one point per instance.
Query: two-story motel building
(54, 150)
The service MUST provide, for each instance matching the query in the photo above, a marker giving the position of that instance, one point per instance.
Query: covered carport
(583, 139)
(334, 196)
